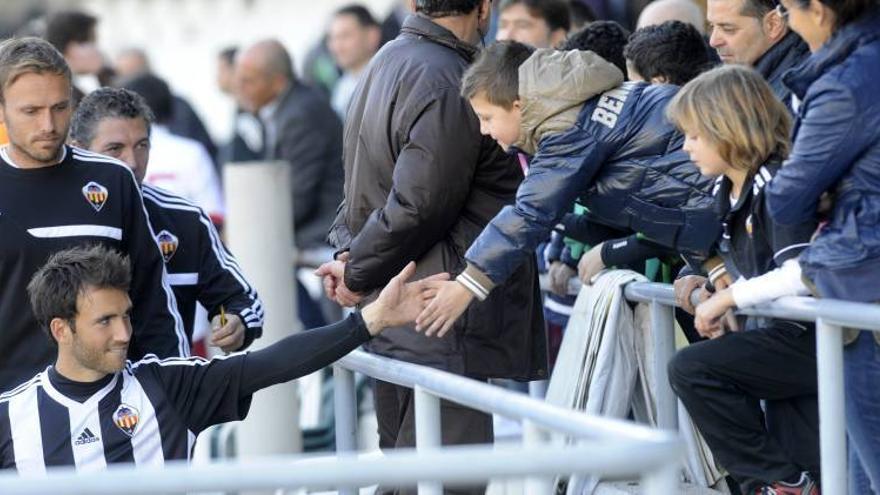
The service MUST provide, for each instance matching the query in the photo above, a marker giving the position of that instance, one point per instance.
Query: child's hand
(450, 302)
(590, 264)
(685, 286)
(708, 317)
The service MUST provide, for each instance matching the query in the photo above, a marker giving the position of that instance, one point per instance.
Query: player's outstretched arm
(400, 302)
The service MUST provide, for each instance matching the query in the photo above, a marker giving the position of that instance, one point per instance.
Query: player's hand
(685, 286)
(401, 302)
(448, 305)
(713, 316)
(229, 337)
(590, 264)
(560, 274)
(332, 274)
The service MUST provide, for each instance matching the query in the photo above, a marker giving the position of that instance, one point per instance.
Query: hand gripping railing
(831, 316)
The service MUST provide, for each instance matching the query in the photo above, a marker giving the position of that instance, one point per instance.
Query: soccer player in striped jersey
(116, 122)
(94, 408)
(54, 196)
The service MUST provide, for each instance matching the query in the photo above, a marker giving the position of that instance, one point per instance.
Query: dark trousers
(395, 413)
(722, 383)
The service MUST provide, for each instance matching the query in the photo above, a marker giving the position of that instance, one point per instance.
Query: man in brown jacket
(420, 184)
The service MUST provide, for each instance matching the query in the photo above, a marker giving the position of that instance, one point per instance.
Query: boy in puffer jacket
(593, 139)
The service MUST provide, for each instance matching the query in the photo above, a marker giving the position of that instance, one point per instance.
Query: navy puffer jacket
(837, 149)
(612, 156)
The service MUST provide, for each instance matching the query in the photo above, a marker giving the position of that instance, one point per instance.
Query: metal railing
(831, 316)
(660, 475)
(604, 446)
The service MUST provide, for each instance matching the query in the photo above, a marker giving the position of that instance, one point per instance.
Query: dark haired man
(672, 53)
(353, 38)
(72, 33)
(421, 182)
(93, 408)
(118, 123)
(54, 196)
(538, 23)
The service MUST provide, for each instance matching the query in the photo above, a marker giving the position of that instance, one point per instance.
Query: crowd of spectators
(733, 153)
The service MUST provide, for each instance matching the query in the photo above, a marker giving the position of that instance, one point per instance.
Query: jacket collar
(790, 50)
(833, 52)
(422, 26)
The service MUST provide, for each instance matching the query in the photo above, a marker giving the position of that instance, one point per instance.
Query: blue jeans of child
(862, 372)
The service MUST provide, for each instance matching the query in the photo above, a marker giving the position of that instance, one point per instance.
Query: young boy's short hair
(495, 73)
(736, 110)
(604, 38)
(674, 50)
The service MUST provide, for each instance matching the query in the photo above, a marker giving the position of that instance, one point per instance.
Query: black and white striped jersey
(152, 410)
(200, 268)
(86, 198)
(148, 413)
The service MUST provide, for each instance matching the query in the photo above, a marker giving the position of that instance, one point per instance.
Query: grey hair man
(301, 129)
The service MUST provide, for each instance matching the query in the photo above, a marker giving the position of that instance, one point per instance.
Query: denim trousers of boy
(862, 371)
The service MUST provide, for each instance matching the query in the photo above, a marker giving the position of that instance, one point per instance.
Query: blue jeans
(862, 372)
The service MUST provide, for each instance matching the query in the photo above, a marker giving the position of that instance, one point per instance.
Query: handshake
(434, 303)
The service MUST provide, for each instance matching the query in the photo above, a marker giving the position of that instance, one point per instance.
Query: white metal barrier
(831, 316)
(431, 385)
(605, 446)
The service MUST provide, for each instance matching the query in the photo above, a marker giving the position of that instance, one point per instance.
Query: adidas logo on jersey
(86, 437)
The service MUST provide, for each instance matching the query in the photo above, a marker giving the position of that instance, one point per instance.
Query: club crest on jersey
(168, 243)
(126, 419)
(95, 194)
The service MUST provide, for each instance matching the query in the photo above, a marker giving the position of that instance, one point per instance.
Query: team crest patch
(126, 419)
(95, 194)
(168, 243)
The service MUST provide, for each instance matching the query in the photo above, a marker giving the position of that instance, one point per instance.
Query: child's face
(496, 121)
(704, 154)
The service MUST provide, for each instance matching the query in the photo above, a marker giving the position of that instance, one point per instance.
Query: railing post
(345, 410)
(532, 437)
(662, 481)
(663, 337)
(832, 419)
(428, 436)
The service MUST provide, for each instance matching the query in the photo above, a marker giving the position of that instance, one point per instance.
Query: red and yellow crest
(126, 419)
(168, 243)
(95, 194)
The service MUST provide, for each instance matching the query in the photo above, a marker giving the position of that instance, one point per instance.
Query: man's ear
(775, 27)
(517, 105)
(60, 330)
